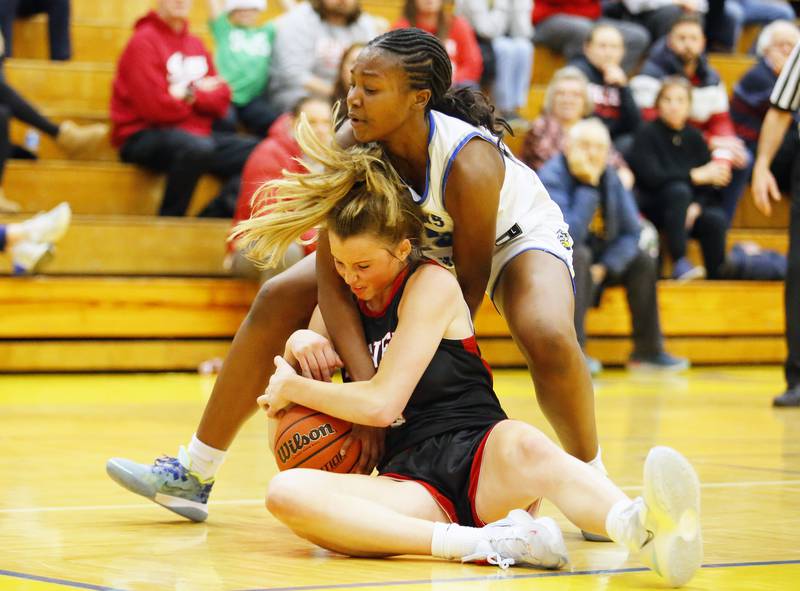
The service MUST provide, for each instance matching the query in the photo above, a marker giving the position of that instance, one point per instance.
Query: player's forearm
(357, 402)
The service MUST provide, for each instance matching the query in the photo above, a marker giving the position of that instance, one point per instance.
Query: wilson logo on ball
(298, 441)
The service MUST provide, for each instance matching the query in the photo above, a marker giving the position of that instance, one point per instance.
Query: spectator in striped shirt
(785, 102)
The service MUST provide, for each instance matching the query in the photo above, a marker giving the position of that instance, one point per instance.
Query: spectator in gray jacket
(309, 44)
(505, 27)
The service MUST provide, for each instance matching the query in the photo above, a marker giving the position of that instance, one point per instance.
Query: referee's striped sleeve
(786, 92)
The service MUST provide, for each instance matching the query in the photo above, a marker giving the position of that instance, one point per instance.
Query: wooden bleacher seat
(135, 245)
(99, 188)
(714, 322)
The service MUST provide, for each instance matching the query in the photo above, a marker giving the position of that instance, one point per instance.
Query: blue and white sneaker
(520, 539)
(28, 257)
(49, 226)
(166, 482)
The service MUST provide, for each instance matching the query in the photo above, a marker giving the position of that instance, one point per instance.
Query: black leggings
(666, 208)
(13, 105)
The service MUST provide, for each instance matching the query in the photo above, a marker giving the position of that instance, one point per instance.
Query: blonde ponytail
(287, 207)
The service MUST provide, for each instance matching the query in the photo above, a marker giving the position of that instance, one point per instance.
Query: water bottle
(32, 139)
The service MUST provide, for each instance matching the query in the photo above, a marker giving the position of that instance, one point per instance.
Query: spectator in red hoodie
(166, 96)
(279, 152)
(436, 17)
(565, 26)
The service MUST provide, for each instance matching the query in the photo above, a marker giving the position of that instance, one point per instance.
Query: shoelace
(487, 550)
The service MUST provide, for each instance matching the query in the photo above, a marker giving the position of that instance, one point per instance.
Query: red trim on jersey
(441, 500)
(471, 346)
(398, 281)
(474, 476)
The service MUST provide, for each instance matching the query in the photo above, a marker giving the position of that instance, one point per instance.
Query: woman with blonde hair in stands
(457, 475)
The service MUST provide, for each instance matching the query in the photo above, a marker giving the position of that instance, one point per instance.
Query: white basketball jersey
(521, 195)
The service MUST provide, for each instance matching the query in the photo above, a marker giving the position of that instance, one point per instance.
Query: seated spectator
(31, 242)
(566, 101)
(678, 182)
(455, 33)
(604, 225)
(505, 36)
(564, 27)
(342, 85)
(74, 139)
(309, 42)
(243, 53)
(608, 85)
(166, 96)
(57, 23)
(278, 153)
(683, 54)
(741, 13)
(750, 100)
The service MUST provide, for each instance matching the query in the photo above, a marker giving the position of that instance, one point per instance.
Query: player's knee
(524, 445)
(277, 297)
(551, 343)
(284, 495)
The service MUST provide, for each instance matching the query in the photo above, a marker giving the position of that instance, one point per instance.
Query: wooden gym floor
(64, 524)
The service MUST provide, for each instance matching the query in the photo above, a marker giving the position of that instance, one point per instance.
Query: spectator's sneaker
(522, 540)
(79, 140)
(661, 362)
(28, 257)
(684, 270)
(789, 398)
(595, 365)
(671, 516)
(165, 482)
(8, 206)
(49, 226)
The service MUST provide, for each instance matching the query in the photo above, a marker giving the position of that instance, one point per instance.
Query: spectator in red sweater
(166, 96)
(279, 152)
(436, 17)
(563, 26)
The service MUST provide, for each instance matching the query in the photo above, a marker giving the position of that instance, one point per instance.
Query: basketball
(311, 439)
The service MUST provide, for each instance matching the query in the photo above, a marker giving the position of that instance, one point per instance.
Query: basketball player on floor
(457, 475)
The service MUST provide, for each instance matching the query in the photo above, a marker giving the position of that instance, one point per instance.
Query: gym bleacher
(130, 291)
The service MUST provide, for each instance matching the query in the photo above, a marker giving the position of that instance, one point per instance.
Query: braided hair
(427, 65)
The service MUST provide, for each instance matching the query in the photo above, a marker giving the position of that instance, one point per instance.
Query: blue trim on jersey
(431, 131)
(548, 251)
(452, 159)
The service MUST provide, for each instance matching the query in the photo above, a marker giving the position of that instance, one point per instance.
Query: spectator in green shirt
(242, 56)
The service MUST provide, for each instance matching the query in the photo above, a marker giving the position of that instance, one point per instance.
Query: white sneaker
(48, 227)
(670, 514)
(522, 540)
(29, 256)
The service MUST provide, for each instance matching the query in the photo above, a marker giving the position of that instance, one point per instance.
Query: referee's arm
(784, 100)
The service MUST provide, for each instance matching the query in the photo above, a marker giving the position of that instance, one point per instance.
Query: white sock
(597, 463)
(451, 540)
(624, 523)
(201, 459)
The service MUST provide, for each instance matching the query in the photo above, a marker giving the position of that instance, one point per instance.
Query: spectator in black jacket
(601, 61)
(678, 182)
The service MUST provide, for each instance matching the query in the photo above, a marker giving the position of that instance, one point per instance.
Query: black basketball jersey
(455, 391)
